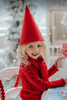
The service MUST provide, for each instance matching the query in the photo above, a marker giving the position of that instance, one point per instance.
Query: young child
(33, 71)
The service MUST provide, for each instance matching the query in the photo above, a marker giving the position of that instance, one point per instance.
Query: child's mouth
(35, 54)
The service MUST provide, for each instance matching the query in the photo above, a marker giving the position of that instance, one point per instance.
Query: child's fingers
(61, 58)
(56, 63)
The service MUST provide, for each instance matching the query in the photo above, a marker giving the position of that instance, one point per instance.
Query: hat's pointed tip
(26, 7)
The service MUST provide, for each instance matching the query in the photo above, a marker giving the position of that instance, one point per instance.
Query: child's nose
(35, 49)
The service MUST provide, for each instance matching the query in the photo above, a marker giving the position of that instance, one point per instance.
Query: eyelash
(39, 46)
(32, 46)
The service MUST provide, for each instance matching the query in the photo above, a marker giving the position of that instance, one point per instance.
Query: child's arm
(37, 81)
(52, 70)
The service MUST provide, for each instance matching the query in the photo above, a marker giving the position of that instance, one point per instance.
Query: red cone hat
(30, 31)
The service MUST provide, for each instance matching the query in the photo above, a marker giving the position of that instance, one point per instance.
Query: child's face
(34, 49)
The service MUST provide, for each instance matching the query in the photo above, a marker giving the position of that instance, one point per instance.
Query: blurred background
(11, 21)
(51, 18)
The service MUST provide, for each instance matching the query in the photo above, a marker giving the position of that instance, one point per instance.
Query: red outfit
(35, 79)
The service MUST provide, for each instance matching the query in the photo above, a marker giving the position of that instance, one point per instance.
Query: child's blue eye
(30, 46)
(39, 46)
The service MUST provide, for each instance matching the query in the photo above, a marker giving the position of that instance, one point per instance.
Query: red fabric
(17, 81)
(30, 31)
(52, 70)
(2, 90)
(34, 79)
(64, 49)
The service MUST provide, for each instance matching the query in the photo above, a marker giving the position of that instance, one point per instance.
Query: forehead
(35, 43)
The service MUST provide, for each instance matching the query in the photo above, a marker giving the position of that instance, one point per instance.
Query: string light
(49, 42)
(50, 33)
(53, 27)
(63, 35)
(61, 21)
(14, 60)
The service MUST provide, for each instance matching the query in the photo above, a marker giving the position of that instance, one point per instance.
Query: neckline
(40, 58)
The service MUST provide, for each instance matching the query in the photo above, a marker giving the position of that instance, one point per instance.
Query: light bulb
(53, 27)
(14, 60)
(63, 35)
(57, 47)
(61, 21)
(50, 33)
(49, 42)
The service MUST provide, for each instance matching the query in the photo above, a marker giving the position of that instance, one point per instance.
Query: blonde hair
(23, 58)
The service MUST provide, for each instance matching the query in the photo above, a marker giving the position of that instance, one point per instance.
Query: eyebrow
(29, 45)
(37, 44)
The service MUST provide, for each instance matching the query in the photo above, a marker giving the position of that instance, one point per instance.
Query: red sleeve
(52, 70)
(37, 81)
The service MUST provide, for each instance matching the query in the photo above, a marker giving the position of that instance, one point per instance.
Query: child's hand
(56, 62)
(65, 80)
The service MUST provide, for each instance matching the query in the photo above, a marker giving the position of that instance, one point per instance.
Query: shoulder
(25, 67)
